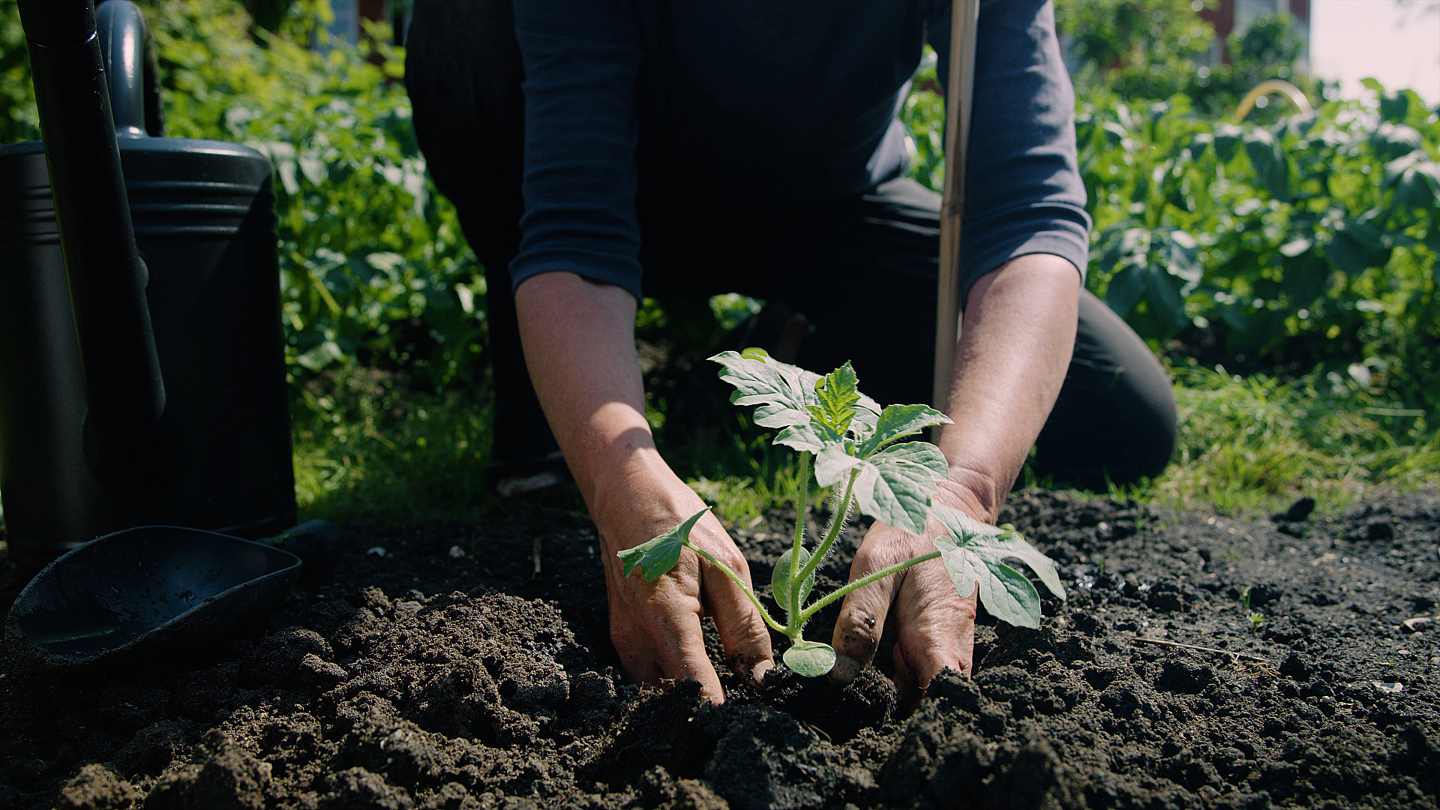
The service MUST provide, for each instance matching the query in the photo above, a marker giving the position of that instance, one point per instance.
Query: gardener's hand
(935, 627)
(655, 626)
(580, 348)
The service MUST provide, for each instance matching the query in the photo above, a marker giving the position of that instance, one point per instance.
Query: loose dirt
(454, 665)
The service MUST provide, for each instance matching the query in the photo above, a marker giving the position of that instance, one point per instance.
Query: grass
(1251, 445)
(367, 451)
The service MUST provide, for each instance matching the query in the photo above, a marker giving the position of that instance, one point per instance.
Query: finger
(656, 630)
(742, 632)
(937, 628)
(679, 643)
(862, 614)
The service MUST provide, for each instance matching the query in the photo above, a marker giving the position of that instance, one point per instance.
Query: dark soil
(441, 666)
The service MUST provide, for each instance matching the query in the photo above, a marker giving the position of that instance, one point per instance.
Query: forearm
(1014, 349)
(580, 351)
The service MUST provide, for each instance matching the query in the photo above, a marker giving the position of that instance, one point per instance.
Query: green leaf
(838, 401)
(1305, 277)
(1227, 141)
(780, 392)
(784, 395)
(1357, 246)
(1269, 162)
(974, 555)
(659, 555)
(898, 421)
(1126, 289)
(810, 658)
(894, 486)
(780, 579)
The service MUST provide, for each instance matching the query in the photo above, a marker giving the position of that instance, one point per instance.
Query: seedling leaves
(780, 579)
(898, 421)
(658, 556)
(893, 486)
(810, 658)
(974, 555)
(784, 396)
(838, 399)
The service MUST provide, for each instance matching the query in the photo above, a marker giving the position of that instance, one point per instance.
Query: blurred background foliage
(1297, 248)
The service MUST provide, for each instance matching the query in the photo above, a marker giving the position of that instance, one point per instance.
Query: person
(601, 150)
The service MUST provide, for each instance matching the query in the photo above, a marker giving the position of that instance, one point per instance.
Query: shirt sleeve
(581, 62)
(1023, 190)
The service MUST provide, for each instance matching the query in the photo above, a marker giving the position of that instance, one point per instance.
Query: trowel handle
(131, 68)
(124, 390)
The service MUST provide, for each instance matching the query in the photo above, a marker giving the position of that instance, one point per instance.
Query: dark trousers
(863, 270)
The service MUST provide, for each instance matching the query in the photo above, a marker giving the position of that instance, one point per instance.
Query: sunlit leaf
(810, 658)
(974, 555)
(656, 557)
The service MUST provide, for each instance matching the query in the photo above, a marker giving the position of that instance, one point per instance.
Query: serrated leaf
(783, 395)
(838, 398)
(779, 391)
(656, 557)
(810, 658)
(894, 486)
(974, 555)
(780, 579)
(898, 421)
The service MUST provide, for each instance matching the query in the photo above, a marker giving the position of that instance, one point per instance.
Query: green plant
(1254, 618)
(1308, 242)
(856, 448)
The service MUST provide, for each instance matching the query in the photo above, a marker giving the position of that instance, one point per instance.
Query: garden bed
(441, 666)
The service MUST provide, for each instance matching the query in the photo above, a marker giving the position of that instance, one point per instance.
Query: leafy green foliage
(857, 449)
(1133, 51)
(974, 554)
(781, 574)
(809, 658)
(661, 554)
(19, 120)
(830, 418)
(1311, 240)
(375, 269)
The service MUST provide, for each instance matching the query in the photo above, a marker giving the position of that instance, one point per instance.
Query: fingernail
(845, 669)
(761, 671)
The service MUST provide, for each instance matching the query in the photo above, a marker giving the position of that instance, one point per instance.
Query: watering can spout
(125, 434)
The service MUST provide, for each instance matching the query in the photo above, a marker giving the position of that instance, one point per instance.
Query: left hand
(935, 626)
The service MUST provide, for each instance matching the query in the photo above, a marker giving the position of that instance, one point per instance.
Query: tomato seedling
(856, 448)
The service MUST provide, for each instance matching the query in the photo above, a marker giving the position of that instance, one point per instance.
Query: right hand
(655, 626)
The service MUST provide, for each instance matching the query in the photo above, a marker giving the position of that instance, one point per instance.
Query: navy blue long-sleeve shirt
(786, 102)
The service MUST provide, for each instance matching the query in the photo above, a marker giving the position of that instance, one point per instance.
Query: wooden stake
(965, 15)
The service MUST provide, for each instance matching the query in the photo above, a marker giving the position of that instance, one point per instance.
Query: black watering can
(141, 358)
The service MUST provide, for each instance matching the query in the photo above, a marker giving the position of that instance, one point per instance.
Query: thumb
(862, 614)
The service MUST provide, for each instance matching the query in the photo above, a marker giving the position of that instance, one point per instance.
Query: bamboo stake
(965, 15)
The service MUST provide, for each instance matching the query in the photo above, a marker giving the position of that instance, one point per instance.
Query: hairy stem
(802, 504)
(735, 578)
(862, 582)
(842, 509)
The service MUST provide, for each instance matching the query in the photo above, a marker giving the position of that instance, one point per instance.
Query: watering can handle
(125, 434)
(131, 68)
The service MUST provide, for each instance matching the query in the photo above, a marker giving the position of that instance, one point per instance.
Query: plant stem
(749, 594)
(802, 505)
(841, 510)
(862, 582)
